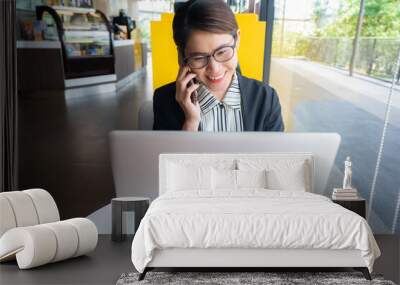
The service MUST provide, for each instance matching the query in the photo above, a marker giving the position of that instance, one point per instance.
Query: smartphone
(193, 96)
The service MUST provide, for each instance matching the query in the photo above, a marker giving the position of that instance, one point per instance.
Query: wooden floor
(110, 259)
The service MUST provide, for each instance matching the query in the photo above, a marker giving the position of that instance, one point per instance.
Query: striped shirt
(221, 116)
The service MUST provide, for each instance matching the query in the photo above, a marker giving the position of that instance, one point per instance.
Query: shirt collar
(231, 99)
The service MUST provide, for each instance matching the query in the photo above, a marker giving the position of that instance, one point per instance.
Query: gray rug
(243, 278)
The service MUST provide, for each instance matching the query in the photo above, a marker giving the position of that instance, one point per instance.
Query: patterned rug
(244, 278)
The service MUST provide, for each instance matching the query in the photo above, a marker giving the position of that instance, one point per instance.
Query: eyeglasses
(222, 54)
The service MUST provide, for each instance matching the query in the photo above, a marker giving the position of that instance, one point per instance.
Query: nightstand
(357, 206)
(139, 205)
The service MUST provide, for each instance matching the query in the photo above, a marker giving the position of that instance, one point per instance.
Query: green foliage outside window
(332, 39)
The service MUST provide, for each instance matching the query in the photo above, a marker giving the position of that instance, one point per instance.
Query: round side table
(139, 205)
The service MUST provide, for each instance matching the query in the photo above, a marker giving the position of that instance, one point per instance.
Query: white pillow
(281, 174)
(223, 179)
(236, 179)
(293, 179)
(251, 178)
(181, 177)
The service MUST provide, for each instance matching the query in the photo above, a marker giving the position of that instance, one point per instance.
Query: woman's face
(216, 76)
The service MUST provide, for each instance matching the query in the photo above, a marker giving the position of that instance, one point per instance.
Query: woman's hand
(183, 91)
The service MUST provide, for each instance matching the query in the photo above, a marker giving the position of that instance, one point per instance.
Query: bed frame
(242, 259)
(260, 259)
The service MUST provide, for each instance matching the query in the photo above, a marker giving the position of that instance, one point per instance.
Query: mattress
(251, 219)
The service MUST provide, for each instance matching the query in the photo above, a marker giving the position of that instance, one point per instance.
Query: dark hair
(212, 16)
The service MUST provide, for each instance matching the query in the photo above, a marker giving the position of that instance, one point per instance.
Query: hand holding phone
(186, 96)
(193, 96)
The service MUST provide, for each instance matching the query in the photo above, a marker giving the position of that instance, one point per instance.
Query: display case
(85, 36)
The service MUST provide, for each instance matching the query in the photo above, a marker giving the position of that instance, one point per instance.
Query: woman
(207, 38)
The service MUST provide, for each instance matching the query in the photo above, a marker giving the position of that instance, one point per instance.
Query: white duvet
(251, 218)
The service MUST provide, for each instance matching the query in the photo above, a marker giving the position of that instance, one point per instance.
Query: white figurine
(347, 174)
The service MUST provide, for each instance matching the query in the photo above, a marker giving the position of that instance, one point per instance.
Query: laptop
(135, 154)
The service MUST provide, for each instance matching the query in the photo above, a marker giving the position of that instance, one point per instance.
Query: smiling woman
(209, 93)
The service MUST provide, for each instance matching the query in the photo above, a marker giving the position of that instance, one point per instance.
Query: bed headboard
(135, 154)
(233, 161)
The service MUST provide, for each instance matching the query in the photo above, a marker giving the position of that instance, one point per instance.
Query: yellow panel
(252, 42)
(167, 17)
(165, 56)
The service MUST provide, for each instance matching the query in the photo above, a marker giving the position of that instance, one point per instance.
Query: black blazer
(261, 109)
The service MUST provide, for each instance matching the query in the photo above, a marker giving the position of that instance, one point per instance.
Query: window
(312, 59)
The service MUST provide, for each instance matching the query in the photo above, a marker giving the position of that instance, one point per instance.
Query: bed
(247, 210)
